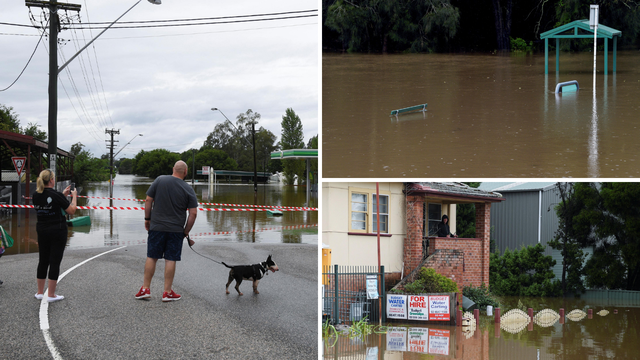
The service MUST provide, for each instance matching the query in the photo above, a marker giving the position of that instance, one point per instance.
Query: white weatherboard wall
(353, 250)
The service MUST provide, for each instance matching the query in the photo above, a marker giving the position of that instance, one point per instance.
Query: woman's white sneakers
(55, 298)
(49, 299)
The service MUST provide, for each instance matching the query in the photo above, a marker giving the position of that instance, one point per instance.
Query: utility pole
(54, 28)
(111, 145)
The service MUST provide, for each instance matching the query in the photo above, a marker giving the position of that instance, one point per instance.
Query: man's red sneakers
(143, 293)
(170, 296)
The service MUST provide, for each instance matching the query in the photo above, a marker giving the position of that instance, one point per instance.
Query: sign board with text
(396, 306)
(372, 286)
(439, 309)
(418, 307)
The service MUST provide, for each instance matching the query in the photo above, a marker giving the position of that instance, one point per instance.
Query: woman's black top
(50, 206)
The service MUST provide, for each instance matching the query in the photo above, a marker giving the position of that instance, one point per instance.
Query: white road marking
(44, 308)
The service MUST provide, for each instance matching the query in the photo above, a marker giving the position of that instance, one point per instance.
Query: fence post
(336, 313)
(383, 298)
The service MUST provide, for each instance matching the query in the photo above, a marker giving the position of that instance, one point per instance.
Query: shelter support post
(606, 55)
(615, 49)
(546, 56)
(557, 55)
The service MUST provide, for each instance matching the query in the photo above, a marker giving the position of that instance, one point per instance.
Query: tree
(87, 168)
(502, 12)
(527, 272)
(9, 119)
(125, 166)
(265, 145)
(33, 129)
(566, 239)
(392, 25)
(157, 162)
(610, 222)
(292, 137)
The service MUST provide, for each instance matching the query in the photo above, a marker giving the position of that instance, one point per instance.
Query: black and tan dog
(253, 272)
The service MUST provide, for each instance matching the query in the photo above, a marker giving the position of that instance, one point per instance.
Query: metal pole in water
(593, 23)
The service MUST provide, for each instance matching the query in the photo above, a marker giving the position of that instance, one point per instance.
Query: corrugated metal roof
(516, 186)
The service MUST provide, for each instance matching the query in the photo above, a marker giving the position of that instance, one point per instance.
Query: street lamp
(129, 140)
(253, 136)
(54, 70)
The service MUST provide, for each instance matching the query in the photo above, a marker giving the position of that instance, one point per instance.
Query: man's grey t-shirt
(171, 199)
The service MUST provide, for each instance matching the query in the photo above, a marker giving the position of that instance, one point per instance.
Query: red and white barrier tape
(141, 208)
(208, 204)
(291, 227)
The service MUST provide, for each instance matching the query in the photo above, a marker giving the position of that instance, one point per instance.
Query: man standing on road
(165, 213)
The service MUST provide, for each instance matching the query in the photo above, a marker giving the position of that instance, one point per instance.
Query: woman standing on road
(51, 207)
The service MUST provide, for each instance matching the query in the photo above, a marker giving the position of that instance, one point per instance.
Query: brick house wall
(474, 252)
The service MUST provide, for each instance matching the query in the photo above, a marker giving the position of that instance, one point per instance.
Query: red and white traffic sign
(19, 163)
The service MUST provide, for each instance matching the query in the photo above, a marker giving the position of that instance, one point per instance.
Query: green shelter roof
(580, 29)
(295, 154)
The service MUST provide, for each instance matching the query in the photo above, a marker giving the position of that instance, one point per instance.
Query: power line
(207, 18)
(195, 24)
(27, 64)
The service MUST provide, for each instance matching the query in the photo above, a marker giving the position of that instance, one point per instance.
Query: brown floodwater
(126, 227)
(488, 116)
(614, 335)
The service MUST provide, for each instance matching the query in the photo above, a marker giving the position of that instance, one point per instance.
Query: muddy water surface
(614, 335)
(126, 227)
(488, 116)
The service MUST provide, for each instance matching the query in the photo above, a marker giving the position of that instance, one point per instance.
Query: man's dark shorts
(167, 245)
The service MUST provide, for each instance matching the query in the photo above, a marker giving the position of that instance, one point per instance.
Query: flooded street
(607, 336)
(488, 116)
(126, 227)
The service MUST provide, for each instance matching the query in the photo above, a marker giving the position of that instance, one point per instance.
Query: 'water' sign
(439, 308)
(397, 306)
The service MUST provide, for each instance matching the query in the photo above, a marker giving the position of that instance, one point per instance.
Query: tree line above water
(465, 26)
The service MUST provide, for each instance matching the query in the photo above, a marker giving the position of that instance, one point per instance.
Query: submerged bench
(422, 107)
(567, 86)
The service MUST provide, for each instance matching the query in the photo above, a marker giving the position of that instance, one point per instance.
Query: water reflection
(126, 227)
(609, 332)
(488, 116)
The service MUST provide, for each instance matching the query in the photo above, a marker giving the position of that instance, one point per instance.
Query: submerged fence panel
(613, 297)
(345, 294)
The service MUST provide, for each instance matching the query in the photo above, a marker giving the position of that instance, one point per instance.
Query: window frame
(370, 212)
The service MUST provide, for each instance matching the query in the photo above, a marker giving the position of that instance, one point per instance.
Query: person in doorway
(51, 207)
(165, 212)
(443, 228)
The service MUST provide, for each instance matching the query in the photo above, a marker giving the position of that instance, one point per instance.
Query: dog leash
(189, 242)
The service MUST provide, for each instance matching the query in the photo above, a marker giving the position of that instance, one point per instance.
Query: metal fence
(344, 298)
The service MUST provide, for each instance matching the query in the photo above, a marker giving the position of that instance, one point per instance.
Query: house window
(359, 209)
(384, 214)
(363, 213)
(434, 217)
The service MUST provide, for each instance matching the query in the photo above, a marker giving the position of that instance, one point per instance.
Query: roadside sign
(439, 308)
(397, 306)
(418, 307)
(205, 170)
(372, 286)
(19, 162)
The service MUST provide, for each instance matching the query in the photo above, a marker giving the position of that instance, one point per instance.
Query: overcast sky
(162, 82)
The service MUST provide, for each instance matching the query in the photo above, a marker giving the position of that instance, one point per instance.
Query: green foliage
(566, 239)
(9, 119)
(125, 166)
(429, 281)
(481, 296)
(156, 162)
(610, 222)
(519, 45)
(87, 168)
(523, 273)
(391, 25)
(292, 137)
